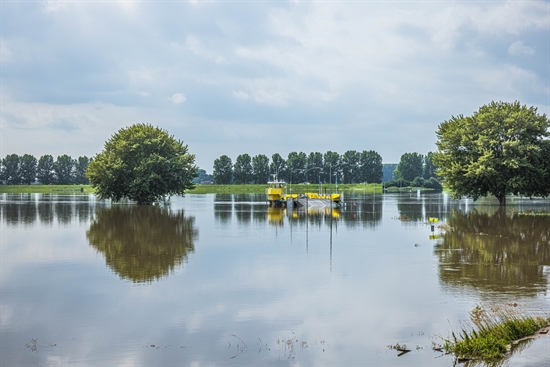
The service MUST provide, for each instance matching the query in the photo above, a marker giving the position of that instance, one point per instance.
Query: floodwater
(223, 280)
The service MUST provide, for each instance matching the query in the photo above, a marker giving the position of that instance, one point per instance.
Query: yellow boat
(277, 196)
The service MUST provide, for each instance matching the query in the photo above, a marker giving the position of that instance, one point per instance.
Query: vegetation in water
(495, 330)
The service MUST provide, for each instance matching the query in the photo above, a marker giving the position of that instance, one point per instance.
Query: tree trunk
(502, 199)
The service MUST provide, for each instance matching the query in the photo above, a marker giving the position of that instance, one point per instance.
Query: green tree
(429, 166)
(223, 170)
(11, 170)
(27, 167)
(370, 167)
(64, 170)
(242, 169)
(350, 166)
(260, 169)
(142, 163)
(296, 166)
(503, 148)
(278, 166)
(45, 170)
(332, 163)
(410, 167)
(203, 177)
(387, 170)
(314, 167)
(81, 165)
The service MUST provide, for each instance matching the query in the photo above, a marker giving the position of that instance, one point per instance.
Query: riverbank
(199, 189)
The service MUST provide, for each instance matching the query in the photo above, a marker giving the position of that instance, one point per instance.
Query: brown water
(223, 280)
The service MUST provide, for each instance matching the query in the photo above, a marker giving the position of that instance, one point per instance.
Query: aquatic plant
(494, 331)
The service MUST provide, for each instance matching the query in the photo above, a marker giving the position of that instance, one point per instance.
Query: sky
(263, 77)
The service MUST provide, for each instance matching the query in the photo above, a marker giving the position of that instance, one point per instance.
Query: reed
(494, 331)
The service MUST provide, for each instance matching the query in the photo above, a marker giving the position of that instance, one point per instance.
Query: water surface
(223, 280)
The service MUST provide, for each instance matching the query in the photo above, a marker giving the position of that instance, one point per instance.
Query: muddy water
(223, 280)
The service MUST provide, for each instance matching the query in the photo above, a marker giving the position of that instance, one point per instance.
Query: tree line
(298, 167)
(415, 170)
(27, 170)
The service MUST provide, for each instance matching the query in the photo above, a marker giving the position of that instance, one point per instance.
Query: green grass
(46, 189)
(494, 331)
(199, 189)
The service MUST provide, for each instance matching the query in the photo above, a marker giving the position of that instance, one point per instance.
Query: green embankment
(199, 189)
(46, 189)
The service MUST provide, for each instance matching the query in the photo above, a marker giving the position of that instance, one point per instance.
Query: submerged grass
(46, 189)
(494, 332)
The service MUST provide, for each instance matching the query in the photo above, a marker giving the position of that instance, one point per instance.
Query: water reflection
(31, 209)
(142, 243)
(495, 252)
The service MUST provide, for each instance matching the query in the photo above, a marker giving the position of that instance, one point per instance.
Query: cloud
(519, 49)
(177, 98)
(240, 95)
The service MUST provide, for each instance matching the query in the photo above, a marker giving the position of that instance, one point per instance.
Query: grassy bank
(199, 189)
(46, 189)
(495, 331)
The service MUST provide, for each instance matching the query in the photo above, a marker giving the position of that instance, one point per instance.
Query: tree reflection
(142, 243)
(495, 252)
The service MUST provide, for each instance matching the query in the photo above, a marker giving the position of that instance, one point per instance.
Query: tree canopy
(142, 163)
(223, 170)
(503, 148)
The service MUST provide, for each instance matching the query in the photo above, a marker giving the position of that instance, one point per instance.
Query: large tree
(278, 166)
(223, 170)
(28, 169)
(503, 148)
(242, 169)
(410, 167)
(142, 163)
(260, 169)
(296, 166)
(80, 167)
(314, 166)
(64, 170)
(11, 169)
(429, 166)
(45, 170)
(350, 166)
(370, 164)
(332, 163)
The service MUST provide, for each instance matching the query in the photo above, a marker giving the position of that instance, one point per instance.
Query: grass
(199, 189)
(46, 189)
(494, 332)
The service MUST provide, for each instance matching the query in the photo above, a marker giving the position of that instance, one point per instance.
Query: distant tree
(203, 177)
(503, 148)
(81, 165)
(11, 173)
(350, 166)
(314, 167)
(28, 169)
(429, 166)
(64, 170)
(260, 169)
(410, 166)
(223, 170)
(296, 165)
(387, 170)
(45, 170)
(278, 166)
(332, 167)
(142, 163)
(370, 167)
(242, 169)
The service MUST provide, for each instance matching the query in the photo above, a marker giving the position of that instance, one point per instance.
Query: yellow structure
(278, 196)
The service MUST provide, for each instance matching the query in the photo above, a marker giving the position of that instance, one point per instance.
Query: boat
(277, 196)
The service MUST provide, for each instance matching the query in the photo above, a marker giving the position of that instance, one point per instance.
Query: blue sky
(233, 77)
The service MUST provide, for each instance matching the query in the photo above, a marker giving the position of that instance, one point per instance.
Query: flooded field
(223, 280)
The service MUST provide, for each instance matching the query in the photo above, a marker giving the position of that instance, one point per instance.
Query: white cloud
(240, 95)
(144, 94)
(177, 98)
(519, 49)
(196, 47)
